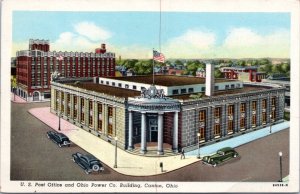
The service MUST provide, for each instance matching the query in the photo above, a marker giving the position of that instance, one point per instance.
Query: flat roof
(167, 80)
(125, 93)
(245, 89)
(113, 91)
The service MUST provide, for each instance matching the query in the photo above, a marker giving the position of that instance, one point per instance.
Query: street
(34, 157)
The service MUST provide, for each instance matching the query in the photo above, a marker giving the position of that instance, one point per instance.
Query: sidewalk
(15, 98)
(130, 164)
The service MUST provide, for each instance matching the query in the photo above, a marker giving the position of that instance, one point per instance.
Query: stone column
(130, 146)
(143, 134)
(160, 142)
(175, 132)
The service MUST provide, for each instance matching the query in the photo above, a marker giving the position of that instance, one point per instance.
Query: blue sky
(134, 34)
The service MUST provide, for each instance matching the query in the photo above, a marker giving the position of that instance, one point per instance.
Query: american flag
(157, 56)
(60, 58)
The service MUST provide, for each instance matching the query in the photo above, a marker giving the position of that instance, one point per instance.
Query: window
(217, 130)
(202, 115)
(99, 117)
(110, 126)
(126, 86)
(226, 87)
(232, 86)
(242, 123)
(134, 87)
(230, 126)
(110, 130)
(107, 82)
(202, 134)
(82, 109)
(75, 107)
(68, 104)
(183, 91)
(264, 118)
(175, 92)
(216, 88)
(91, 113)
(217, 112)
(62, 107)
(253, 120)
(113, 83)
(120, 85)
(264, 103)
(253, 105)
(230, 110)
(191, 90)
(243, 107)
(101, 81)
(273, 101)
(110, 111)
(57, 100)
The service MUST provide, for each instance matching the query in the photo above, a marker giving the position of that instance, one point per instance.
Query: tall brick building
(177, 112)
(35, 66)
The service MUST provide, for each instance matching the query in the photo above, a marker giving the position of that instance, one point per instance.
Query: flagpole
(153, 67)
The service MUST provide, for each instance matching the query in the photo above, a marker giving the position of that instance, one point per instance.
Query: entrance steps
(152, 150)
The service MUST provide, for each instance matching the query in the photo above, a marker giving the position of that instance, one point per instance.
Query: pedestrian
(182, 154)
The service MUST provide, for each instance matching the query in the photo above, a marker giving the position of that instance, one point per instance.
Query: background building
(35, 66)
(243, 73)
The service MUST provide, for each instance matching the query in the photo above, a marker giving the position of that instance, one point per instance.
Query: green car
(221, 156)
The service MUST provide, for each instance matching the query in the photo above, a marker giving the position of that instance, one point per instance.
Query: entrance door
(36, 96)
(153, 129)
(153, 133)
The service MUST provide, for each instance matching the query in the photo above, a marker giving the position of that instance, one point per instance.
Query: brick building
(243, 73)
(168, 114)
(35, 66)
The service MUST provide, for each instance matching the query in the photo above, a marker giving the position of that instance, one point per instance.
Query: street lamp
(59, 121)
(280, 161)
(198, 135)
(116, 139)
(270, 123)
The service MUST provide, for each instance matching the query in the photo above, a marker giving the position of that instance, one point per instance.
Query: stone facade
(190, 115)
(178, 121)
(97, 99)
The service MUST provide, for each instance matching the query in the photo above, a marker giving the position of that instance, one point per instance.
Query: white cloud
(191, 44)
(245, 42)
(91, 31)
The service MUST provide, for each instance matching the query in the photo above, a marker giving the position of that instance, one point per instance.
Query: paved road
(34, 157)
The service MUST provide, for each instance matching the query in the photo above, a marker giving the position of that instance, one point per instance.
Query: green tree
(218, 73)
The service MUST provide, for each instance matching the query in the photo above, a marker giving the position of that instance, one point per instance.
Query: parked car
(88, 162)
(59, 138)
(221, 156)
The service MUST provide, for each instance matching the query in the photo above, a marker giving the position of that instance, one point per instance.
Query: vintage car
(221, 156)
(59, 138)
(87, 162)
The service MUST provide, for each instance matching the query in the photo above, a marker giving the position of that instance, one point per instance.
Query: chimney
(209, 80)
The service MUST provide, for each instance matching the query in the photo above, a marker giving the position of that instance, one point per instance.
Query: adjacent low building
(174, 112)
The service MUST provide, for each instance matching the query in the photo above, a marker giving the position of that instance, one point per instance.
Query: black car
(59, 138)
(221, 156)
(88, 162)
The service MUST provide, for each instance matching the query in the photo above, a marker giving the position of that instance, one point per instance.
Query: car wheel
(235, 155)
(96, 168)
(59, 145)
(86, 172)
(48, 136)
(214, 164)
(73, 159)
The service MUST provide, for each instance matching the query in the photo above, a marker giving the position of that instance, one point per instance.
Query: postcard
(152, 96)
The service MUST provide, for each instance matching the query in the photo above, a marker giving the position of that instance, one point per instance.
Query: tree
(218, 73)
